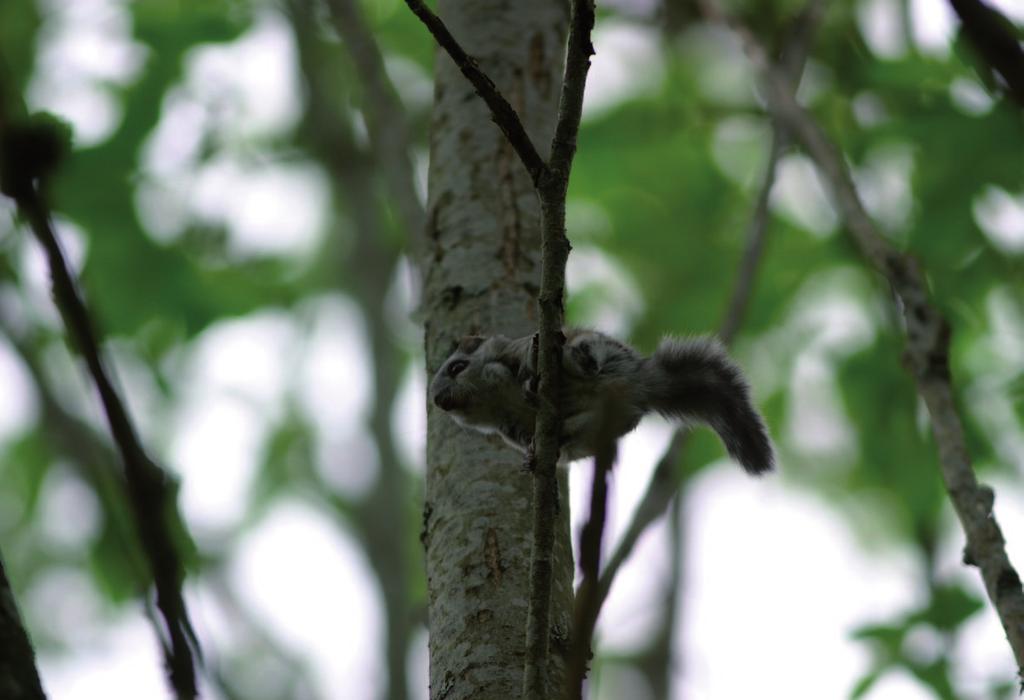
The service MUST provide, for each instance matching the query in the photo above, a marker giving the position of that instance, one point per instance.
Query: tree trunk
(482, 276)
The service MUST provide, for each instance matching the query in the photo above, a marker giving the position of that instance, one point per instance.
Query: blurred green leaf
(950, 607)
(866, 682)
(887, 639)
(936, 677)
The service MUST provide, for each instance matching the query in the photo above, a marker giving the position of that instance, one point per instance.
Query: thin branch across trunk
(504, 114)
(551, 181)
(488, 283)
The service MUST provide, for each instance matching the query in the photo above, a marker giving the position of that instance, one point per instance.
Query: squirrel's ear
(470, 343)
(498, 371)
(511, 361)
(507, 353)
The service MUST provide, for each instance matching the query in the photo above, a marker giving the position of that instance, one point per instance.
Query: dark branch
(587, 600)
(502, 112)
(996, 39)
(570, 103)
(547, 441)
(29, 152)
(86, 452)
(147, 484)
(656, 499)
(19, 678)
(754, 249)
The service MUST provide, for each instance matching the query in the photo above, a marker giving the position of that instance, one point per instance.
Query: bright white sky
(775, 582)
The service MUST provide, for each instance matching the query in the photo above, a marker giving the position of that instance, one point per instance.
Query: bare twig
(663, 485)
(926, 355)
(385, 118)
(555, 253)
(994, 37)
(666, 478)
(90, 456)
(659, 660)
(587, 604)
(570, 103)
(504, 114)
(19, 678)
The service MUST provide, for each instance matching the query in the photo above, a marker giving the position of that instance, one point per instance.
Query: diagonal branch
(666, 478)
(29, 152)
(503, 113)
(664, 484)
(19, 677)
(147, 483)
(926, 355)
(85, 450)
(994, 37)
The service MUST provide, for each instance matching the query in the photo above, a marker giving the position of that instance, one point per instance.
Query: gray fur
(487, 384)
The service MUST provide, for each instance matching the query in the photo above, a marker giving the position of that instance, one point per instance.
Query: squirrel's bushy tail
(694, 380)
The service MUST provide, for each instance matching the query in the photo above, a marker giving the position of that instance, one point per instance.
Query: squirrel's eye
(455, 368)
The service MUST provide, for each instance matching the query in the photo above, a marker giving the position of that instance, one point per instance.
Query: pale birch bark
(482, 275)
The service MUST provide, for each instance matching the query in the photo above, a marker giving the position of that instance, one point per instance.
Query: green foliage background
(650, 192)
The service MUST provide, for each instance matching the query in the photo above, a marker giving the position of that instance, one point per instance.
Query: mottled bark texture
(482, 276)
(19, 679)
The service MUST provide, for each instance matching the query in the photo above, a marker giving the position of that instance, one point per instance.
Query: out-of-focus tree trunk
(383, 517)
(482, 273)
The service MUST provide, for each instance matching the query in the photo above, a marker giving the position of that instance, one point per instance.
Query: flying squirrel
(489, 384)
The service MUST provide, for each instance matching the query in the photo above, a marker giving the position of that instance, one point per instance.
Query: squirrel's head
(479, 382)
